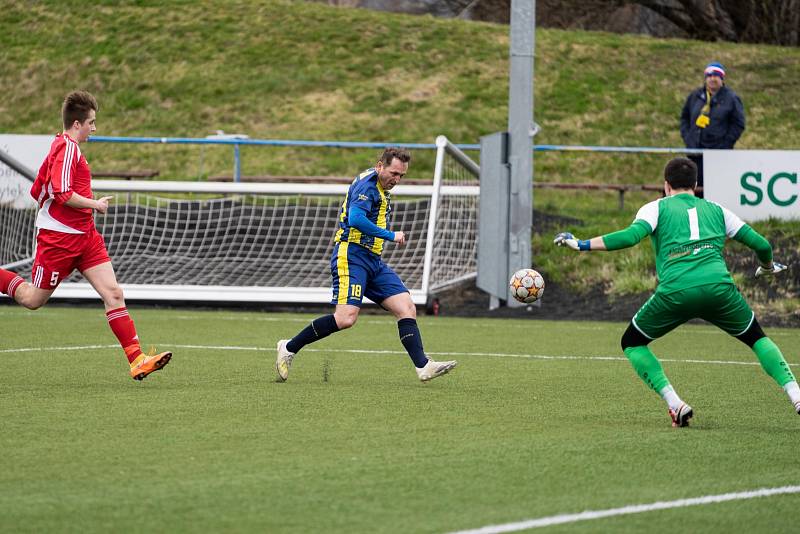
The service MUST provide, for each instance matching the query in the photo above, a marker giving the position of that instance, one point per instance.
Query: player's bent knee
(113, 296)
(752, 334)
(31, 298)
(408, 312)
(633, 338)
(345, 320)
(32, 305)
(401, 306)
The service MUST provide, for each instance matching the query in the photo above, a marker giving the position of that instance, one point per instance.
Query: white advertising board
(754, 184)
(30, 150)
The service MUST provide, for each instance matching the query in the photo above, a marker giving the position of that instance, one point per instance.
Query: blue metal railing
(238, 141)
(261, 142)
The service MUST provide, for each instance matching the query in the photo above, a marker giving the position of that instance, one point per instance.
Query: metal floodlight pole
(521, 129)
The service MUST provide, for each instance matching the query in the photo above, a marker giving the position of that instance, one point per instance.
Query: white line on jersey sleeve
(649, 214)
(732, 221)
(66, 169)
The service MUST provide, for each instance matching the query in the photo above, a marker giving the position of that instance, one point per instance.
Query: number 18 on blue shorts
(359, 273)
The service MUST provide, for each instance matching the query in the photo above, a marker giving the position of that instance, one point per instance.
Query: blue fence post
(237, 163)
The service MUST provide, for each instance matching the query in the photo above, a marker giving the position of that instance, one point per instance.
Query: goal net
(270, 242)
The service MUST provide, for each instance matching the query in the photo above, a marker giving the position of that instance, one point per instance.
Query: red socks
(119, 320)
(9, 282)
(122, 326)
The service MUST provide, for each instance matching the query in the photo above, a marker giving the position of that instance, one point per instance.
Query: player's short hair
(76, 107)
(394, 152)
(681, 173)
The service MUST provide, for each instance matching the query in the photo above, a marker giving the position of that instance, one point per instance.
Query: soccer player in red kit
(67, 238)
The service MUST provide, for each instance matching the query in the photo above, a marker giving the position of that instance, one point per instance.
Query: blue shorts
(359, 273)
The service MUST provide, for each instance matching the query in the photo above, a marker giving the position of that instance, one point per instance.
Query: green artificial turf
(539, 418)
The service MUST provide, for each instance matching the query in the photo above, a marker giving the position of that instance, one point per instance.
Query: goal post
(456, 220)
(262, 242)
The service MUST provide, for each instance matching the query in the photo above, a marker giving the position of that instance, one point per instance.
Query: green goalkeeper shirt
(688, 236)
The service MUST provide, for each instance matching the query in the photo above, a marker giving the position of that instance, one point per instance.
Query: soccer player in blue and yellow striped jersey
(358, 270)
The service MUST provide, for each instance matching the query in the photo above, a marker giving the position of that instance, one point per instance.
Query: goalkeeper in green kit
(688, 235)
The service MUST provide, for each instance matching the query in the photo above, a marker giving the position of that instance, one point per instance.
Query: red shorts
(58, 254)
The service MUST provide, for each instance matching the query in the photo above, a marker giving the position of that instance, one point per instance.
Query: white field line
(47, 349)
(380, 352)
(369, 319)
(632, 509)
(491, 323)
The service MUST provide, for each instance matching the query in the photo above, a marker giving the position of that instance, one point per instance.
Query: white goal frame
(443, 187)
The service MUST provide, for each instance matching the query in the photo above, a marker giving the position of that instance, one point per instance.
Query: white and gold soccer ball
(527, 285)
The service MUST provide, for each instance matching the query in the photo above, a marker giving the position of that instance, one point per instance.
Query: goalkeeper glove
(566, 239)
(776, 268)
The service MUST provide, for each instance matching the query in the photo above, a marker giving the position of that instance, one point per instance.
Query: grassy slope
(212, 443)
(278, 69)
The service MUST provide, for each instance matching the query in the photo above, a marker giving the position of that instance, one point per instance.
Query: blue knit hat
(715, 69)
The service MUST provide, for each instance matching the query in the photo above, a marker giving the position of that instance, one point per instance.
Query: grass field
(303, 70)
(540, 418)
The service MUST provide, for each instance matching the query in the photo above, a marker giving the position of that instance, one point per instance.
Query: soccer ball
(527, 285)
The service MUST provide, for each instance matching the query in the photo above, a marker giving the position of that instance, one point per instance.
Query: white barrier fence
(754, 184)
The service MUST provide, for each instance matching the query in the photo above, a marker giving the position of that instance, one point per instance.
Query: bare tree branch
(762, 21)
(754, 21)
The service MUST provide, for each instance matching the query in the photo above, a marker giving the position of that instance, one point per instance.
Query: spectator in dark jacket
(712, 117)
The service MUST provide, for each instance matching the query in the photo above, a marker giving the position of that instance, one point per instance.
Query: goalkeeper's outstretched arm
(758, 244)
(755, 242)
(626, 238)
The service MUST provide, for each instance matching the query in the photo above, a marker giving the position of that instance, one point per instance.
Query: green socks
(772, 361)
(650, 371)
(647, 367)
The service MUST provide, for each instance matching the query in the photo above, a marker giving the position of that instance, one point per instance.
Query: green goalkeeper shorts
(720, 304)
